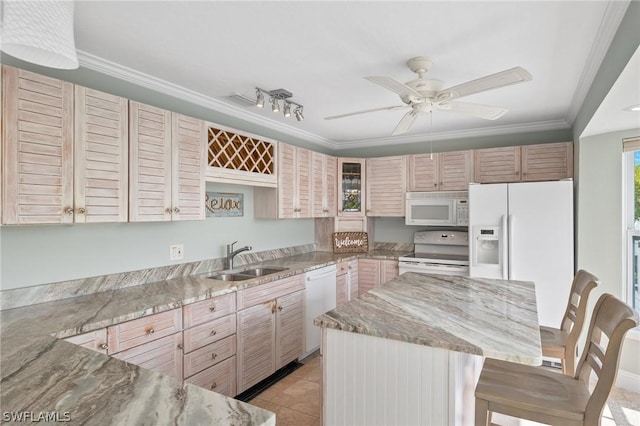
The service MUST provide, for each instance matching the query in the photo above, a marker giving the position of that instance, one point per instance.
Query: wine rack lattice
(232, 151)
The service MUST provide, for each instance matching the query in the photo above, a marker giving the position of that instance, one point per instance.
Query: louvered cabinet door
(289, 328)
(331, 186)
(386, 185)
(551, 161)
(368, 275)
(150, 162)
(256, 351)
(423, 172)
(497, 165)
(188, 168)
(286, 180)
(37, 148)
(303, 182)
(317, 184)
(101, 157)
(456, 170)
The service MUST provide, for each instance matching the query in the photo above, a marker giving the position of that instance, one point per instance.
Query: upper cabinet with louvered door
(493, 165)
(323, 185)
(37, 143)
(149, 163)
(386, 186)
(456, 170)
(188, 168)
(101, 157)
(551, 161)
(424, 172)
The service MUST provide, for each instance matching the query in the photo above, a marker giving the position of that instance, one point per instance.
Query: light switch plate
(176, 251)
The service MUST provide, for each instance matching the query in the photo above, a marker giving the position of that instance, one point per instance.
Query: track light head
(275, 106)
(298, 114)
(259, 99)
(287, 109)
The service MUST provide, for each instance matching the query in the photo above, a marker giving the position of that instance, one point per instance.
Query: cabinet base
(258, 388)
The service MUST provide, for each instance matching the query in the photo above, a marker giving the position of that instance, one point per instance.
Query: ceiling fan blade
(477, 110)
(405, 124)
(395, 86)
(501, 79)
(333, 117)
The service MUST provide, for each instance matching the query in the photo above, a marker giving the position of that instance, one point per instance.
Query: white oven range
(438, 252)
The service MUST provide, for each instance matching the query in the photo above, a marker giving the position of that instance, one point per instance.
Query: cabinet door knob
(213, 332)
(150, 331)
(81, 210)
(214, 355)
(214, 385)
(180, 346)
(68, 211)
(176, 210)
(167, 210)
(212, 308)
(280, 308)
(103, 346)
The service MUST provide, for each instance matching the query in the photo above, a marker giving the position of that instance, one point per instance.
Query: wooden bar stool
(561, 343)
(537, 394)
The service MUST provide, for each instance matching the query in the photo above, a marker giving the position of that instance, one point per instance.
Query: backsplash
(25, 296)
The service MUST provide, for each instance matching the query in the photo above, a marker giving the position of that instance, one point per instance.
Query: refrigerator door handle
(505, 256)
(510, 240)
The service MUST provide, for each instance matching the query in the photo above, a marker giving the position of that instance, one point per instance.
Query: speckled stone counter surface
(43, 374)
(493, 318)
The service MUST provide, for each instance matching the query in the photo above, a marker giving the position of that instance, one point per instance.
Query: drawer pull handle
(213, 332)
(150, 331)
(103, 346)
(214, 385)
(214, 355)
(212, 308)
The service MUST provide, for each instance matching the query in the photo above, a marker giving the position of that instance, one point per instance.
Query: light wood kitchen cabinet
(493, 165)
(70, 162)
(208, 310)
(552, 161)
(346, 282)
(270, 328)
(209, 355)
(323, 185)
(292, 198)
(163, 355)
(167, 162)
(351, 187)
(386, 186)
(142, 330)
(209, 332)
(526, 163)
(445, 171)
(95, 340)
(220, 378)
(374, 273)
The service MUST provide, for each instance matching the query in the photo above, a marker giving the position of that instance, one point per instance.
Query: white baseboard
(628, 381)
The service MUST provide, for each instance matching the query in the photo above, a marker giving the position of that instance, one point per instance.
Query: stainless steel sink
(231, 277)
(258, 272)
(246, 274)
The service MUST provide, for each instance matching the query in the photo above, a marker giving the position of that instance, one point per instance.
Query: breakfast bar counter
(409, 352)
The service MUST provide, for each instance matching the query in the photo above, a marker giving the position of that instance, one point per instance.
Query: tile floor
(296, 401)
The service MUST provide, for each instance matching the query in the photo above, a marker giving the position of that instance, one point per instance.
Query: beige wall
(601, 232)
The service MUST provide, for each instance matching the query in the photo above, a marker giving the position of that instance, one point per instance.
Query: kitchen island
(410, 352)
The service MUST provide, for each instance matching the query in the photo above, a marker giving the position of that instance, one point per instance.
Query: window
(632, 215)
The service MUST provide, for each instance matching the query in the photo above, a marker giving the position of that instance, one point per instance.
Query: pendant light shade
(40, 32)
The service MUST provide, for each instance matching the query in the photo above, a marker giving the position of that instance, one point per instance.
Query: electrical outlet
(176, 251)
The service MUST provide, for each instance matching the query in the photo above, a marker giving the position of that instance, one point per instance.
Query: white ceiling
(207, 51)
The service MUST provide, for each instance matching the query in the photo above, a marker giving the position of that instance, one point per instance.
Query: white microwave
(437, 208)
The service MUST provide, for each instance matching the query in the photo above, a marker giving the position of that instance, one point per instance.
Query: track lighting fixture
(275, 96)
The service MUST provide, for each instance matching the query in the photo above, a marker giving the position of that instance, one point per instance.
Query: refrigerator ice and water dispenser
(486, 241)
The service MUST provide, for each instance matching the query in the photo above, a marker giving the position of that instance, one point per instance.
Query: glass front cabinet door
(351, 186)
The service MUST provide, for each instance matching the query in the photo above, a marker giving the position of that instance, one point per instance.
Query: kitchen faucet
(232, 253)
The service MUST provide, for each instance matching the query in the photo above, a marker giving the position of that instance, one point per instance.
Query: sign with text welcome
(350, 242)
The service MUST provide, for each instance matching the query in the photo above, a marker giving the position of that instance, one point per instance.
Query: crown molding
(113, 69)
(458, 134)
(608, 27)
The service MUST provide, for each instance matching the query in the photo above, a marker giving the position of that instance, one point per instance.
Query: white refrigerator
(524, 231)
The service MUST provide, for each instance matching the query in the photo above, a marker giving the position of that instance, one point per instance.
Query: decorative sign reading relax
(350, 242)
(220, 204)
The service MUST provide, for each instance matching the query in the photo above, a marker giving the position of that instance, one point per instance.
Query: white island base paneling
(376, 381)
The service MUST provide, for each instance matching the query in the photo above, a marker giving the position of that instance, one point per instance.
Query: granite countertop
(493, 318)
(42, 374)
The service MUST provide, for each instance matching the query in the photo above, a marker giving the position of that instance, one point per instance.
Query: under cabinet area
(374, 273)
(270, 328)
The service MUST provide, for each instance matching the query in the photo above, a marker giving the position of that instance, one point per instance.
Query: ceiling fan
(424, 95)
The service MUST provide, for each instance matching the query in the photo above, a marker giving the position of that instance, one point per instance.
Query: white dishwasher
(320, 297)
